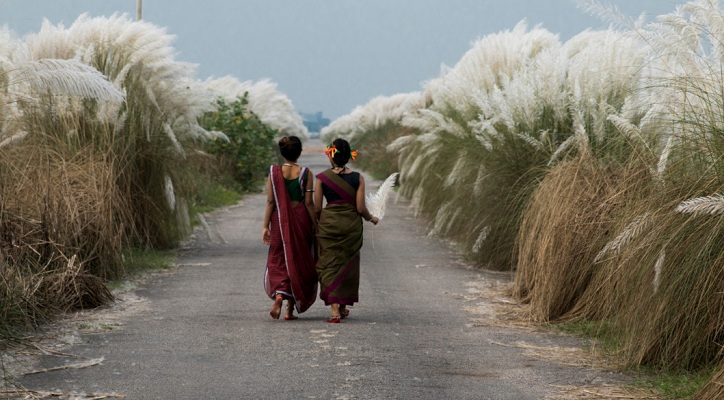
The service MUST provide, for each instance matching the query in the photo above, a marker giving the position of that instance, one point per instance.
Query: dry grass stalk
(715, 388)
(566, 224)
(73, 289)
(603, 392)
(490, 304)
(78, 365)
(27, 393)
(59, 214)
(79, 211)
(679, 324)
(570, 356)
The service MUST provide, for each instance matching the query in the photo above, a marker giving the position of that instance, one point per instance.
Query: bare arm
(318, 197)
(361, 205)
(266, 235)
(309, 197)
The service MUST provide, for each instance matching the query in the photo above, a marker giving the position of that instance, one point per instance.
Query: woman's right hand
(266, 236)
(375, 220)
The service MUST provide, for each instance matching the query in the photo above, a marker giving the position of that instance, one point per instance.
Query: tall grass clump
(515, 104)
(93, 123)
(146, 134)
(679, 322)
(569, 219)
(58, 201)
(649, 263)
(657, 282)
(100, 144)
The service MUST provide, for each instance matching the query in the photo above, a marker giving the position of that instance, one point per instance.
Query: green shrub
(247, 154)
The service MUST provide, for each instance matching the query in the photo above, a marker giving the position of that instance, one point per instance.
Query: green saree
(340, 237)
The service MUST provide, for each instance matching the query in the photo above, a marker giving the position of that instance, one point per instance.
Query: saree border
(339, 185)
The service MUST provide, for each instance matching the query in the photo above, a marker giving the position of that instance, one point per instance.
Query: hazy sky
(328, 55)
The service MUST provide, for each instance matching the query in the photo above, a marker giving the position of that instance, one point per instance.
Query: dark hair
(290, 147)
(343, 152)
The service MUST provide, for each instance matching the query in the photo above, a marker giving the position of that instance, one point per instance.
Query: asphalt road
(204, 331)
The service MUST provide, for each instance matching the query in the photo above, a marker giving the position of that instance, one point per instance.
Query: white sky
(328, 55)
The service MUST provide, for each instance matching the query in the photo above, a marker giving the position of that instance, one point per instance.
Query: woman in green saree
(339, 233)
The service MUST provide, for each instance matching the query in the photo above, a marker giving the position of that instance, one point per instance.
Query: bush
(249, 150)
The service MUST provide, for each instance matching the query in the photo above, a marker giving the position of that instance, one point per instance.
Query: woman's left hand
(375, 220)
(266, 236)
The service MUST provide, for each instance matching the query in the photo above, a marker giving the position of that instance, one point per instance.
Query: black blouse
(331, 196)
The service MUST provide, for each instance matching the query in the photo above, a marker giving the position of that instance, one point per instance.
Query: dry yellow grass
(569, 219)
(602, 392)
(715, 388)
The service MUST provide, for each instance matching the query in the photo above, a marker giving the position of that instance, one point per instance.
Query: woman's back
(291, 171)
(331, 195)
(291, 174)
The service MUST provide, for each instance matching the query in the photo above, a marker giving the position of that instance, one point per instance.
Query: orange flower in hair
(331, 151)
(354, 153)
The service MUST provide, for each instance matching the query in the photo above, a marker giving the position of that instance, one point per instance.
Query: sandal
(276, 309)
(343, 313)
(335, 319)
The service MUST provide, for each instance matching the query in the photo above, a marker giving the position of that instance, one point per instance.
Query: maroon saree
(340, 237)
(290, 265)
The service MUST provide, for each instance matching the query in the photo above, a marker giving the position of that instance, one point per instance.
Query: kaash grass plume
(64, 77)
(159, 116)
(522, 113)
(631, 231)
(492, 59)
(712, 205)
(452, 150)
(377, 202)
(271, 106)
(373, 127)
(370, 117)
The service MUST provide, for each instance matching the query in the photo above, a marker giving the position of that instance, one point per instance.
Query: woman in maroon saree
(339, 231)
(289, 225)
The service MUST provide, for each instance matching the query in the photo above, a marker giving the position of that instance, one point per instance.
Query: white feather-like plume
(711, 205)
(66, 77)
(377, 202)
